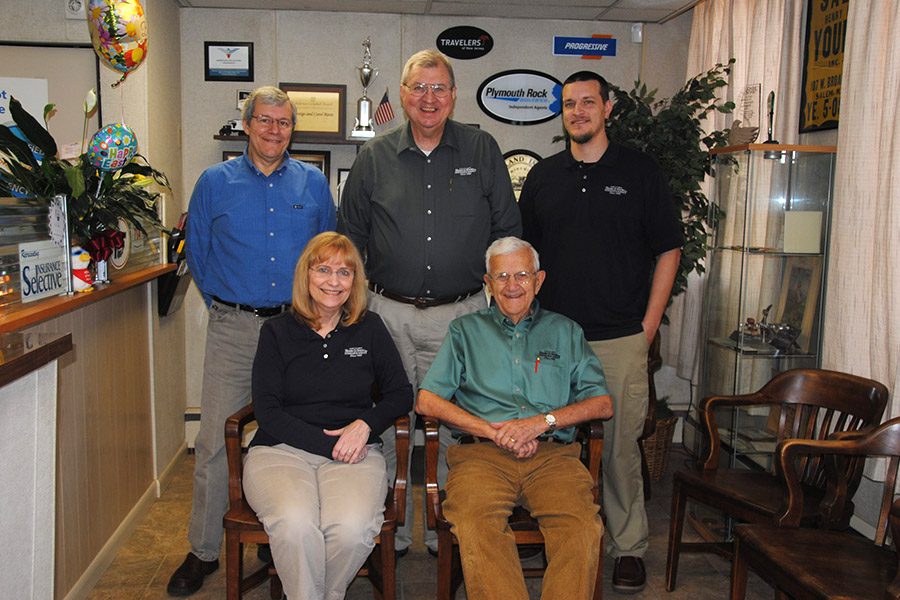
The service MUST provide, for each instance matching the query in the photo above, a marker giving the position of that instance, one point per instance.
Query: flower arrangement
(100, 186)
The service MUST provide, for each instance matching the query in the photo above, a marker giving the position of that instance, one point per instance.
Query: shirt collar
(448, 138)
(508, 326)
(252, 167)
(610, 158)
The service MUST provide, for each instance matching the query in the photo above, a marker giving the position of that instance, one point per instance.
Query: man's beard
(583, 138)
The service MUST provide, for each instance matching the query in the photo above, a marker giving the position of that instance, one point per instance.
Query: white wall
(322, 47)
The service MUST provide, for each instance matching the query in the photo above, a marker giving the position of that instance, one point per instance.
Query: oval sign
(521, 97)
(464, 42)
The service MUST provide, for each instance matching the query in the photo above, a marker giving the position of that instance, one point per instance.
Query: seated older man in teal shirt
(517, 378)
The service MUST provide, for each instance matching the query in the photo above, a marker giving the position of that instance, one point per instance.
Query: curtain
(765, 38)
(862, 302)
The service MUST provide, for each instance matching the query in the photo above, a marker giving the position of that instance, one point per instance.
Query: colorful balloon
(112, 147)
(118, 33)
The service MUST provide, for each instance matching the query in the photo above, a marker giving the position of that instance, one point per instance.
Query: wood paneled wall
(104, 448)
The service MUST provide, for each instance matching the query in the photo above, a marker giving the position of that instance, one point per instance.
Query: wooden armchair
(526, 530)
(823, 563)
(242, 526)
(811, 404)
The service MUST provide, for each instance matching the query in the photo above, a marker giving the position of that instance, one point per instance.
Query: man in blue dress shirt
(250, 219)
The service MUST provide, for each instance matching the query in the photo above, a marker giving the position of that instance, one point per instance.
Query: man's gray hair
(427, 59)
(508, 245)
(270, 95)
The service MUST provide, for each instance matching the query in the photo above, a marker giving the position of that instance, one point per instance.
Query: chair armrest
(432, 452)
(590, 435)
(234, 434)
(843, 458)
(708, 408)
(401, 428)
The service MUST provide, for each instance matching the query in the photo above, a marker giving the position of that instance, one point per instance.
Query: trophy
(364, 124)
(772, 154)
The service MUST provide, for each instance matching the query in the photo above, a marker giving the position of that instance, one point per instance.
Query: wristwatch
(550, 420)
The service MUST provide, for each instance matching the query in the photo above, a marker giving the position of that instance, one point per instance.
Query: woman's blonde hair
(320, 249)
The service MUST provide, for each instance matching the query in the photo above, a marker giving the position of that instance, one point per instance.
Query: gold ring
(513, 440)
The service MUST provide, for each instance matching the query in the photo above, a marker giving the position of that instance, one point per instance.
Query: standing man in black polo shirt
(422, 203)
(606, 226)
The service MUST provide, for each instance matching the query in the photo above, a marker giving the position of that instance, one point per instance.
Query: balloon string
(99, 184)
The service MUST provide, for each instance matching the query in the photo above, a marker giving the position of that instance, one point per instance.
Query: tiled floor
(143, 566)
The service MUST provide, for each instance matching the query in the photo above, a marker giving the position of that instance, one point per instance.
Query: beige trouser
(485, 483)
(624, 363)
(321, 515)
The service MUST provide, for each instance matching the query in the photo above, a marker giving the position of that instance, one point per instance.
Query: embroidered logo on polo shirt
(465, 171)
(615, 190)
(548, 355)
(355, 352)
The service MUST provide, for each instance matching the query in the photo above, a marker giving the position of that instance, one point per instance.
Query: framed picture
(320, 159)
(798, 301)
(242, 95)
(229, 154)
(519, 163)
(228, 61)
(321, 110)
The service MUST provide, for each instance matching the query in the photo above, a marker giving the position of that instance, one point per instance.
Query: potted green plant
(96, 199)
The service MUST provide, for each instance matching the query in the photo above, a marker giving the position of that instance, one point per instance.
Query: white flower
(90, 101)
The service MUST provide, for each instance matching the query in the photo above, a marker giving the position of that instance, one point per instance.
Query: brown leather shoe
(629, 575)
(188, 578)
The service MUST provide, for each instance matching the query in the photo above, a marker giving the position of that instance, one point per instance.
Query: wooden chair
(823, 563)
(811, 404)
(242, 526)
(526, 530)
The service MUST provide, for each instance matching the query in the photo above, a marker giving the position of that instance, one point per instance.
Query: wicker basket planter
(656, 447)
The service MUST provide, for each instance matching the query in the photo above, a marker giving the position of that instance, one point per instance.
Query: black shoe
(264, 553)
(188, 578)
(432, 551)
(401, 553)
(629, 575)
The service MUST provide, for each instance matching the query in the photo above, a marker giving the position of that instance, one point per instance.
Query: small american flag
(385, 112)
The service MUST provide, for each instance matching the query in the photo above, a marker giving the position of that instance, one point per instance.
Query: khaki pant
(231, 339)
(624, 363)
(485, 483)
(321, 515)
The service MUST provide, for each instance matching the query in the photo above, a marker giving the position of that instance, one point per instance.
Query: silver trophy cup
(364, 128)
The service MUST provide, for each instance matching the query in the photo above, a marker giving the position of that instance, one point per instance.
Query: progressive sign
(521, 97)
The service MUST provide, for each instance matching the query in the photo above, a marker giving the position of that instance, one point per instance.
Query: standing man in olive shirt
(605, 223)
(422, 203)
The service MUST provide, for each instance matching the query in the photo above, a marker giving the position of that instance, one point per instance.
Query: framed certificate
(228, 61)
(321, 110)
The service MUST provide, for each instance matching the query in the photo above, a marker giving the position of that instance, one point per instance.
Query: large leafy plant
(96, 200)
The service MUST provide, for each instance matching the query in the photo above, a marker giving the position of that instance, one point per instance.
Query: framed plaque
(321, 110)
(228, 61)
(519, 163)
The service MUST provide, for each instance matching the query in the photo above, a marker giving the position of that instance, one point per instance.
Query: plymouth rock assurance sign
(521, 97)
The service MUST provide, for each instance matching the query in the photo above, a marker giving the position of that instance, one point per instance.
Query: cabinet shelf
(766, 264)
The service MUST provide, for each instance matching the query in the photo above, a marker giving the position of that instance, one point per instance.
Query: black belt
(423, 301)
(476, 439)
(259, 311)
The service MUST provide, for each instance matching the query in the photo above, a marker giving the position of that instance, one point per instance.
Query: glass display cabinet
(766, 265)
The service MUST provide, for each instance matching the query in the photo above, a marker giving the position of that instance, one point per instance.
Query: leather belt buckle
(421, 302)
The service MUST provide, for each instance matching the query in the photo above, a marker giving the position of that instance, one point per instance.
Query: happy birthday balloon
(112, 147)
(118, 33)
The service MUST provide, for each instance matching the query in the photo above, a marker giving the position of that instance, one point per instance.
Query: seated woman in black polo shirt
(315, 474)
